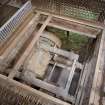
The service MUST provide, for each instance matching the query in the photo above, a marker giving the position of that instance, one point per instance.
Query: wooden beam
(21, 31)
(34, 92)
(78, 65)
(74, 27)
(30, 78)
(82, 22)
(58, 51)
(47, 86)
(60, 65)
(97, 80)
(29, 48)
(71, 75)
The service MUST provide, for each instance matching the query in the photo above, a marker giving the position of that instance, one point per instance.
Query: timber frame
(89, 29)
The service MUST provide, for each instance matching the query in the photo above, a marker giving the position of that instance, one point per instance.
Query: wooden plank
(82, 22)
(61, 65)
(7, 43)
(65, 93)
(30, 78)
(32, 91)
(29, 48)
(78, 65)
(83, 81)
(73, 27)
(80, 87)
(97, 80)
(30, 22)
(51, 73)
(58, 51)
(70, 76)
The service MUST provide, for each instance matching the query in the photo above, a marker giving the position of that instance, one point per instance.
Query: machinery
(35, 66)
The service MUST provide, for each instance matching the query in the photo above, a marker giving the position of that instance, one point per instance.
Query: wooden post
(97, 80)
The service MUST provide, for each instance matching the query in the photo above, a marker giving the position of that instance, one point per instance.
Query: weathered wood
(80, 87)
(78, 65)
(73, 27)
(51, 73)
(58, 51)
(87, 23)
(32, 91)
(97, 80)
(10, 40)
(83, 81)
(70, 76)
(30, 78)
(21, 31)
(60, 65)
(29, 48)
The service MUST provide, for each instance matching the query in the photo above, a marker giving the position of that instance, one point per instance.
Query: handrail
(10, 26)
